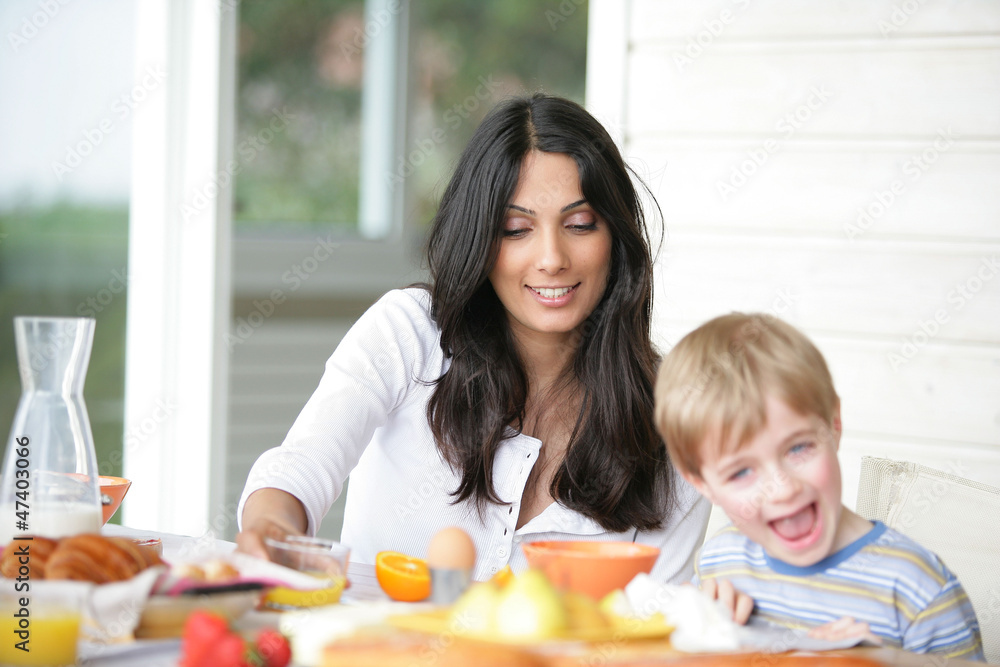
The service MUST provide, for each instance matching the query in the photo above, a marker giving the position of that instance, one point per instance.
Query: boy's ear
(698, 483)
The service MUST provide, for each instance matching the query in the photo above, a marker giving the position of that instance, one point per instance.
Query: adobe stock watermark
(31, 25)
(247, 150)
(457, 114)
(913, 168)
(562, 13)
(957, 298)
(782, 302)
(92, 305)
(711, 30)
(900, 16)
(787, 126)
(373, 28)
(294, 277)
(121, 109)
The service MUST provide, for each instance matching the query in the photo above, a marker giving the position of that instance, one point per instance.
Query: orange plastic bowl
(591, 568)
(113, 490)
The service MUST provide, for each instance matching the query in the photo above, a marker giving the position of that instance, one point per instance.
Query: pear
(530, 609)
(474, 613)
(583, 614)
(616, 606)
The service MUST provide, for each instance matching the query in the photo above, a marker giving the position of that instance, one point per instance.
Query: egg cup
(448, 584)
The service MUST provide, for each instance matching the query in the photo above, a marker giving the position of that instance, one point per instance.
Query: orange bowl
(113, 490)
(591, 568)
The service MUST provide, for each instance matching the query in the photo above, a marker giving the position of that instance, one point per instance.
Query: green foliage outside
(307, 58)
(55, 262)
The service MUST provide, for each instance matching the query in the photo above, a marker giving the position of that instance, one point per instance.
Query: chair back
(956, 518)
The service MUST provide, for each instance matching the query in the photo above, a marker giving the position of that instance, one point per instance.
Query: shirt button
(493, 570)
(501, 552)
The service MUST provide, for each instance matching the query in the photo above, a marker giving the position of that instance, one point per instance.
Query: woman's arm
(366, 378)
(269, 513)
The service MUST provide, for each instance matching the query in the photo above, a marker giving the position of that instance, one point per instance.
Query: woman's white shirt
(368, 419)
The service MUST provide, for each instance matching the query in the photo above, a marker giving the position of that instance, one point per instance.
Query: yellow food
(503, 577)
(583, 614)
(475, 612)
(280, 596)
(530, 608)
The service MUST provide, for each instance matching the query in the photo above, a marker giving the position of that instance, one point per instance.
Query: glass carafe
(50, 479)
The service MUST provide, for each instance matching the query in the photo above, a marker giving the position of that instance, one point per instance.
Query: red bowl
(113, 490)
(591, 568)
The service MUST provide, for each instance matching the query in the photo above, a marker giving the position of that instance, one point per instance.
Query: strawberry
(202, 630)
(273, 648)
(228, 651)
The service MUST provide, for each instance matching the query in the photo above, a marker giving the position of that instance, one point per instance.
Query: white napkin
(113, 610)
(700, 624)
(703, 625)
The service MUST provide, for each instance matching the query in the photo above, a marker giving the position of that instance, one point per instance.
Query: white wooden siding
(859, 220)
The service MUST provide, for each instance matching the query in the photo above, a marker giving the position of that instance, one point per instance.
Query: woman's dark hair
(616, 469)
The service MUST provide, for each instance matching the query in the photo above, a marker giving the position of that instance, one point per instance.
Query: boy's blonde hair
(716, 380)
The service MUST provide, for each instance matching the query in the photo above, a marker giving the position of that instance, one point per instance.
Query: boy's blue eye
(739, 474)
(800, 448)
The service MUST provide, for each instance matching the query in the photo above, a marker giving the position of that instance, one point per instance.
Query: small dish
(113, 490)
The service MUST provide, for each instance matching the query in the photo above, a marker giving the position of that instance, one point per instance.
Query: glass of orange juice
(40, 621)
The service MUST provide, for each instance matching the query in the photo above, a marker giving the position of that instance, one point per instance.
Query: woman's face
(555, 255)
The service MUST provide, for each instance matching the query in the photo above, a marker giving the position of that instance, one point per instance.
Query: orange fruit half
(403, 578)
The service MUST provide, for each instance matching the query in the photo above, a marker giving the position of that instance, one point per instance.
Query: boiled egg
(451, 549)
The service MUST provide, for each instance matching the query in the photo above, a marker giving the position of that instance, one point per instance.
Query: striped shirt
(903, 591)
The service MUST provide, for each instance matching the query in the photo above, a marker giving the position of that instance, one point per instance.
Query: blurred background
(832, 163)
(65, 175)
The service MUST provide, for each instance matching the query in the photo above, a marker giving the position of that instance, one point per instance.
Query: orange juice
(281, 597)
(52, 641)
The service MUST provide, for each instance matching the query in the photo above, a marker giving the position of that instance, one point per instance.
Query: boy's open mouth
(797, 527)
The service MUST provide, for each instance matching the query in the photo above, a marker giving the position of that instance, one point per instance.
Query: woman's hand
(269, 513)
(844, 628)
(739, 604)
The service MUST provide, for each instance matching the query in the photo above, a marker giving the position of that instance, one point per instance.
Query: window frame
(181, 261)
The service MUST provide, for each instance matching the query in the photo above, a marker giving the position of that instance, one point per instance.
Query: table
(364, 588)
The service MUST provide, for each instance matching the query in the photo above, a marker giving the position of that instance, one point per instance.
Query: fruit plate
(441, 621)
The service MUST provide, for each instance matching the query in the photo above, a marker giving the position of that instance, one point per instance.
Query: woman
(514, 395)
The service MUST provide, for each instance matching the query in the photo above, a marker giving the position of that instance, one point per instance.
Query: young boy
(747, 408)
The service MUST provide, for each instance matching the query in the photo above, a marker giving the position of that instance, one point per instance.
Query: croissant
(98, 559)
(35, 553)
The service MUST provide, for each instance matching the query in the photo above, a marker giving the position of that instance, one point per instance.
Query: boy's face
(782, 488)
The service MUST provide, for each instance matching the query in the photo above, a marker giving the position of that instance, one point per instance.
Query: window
(65, 125)
(309, 77)
(330, 212)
